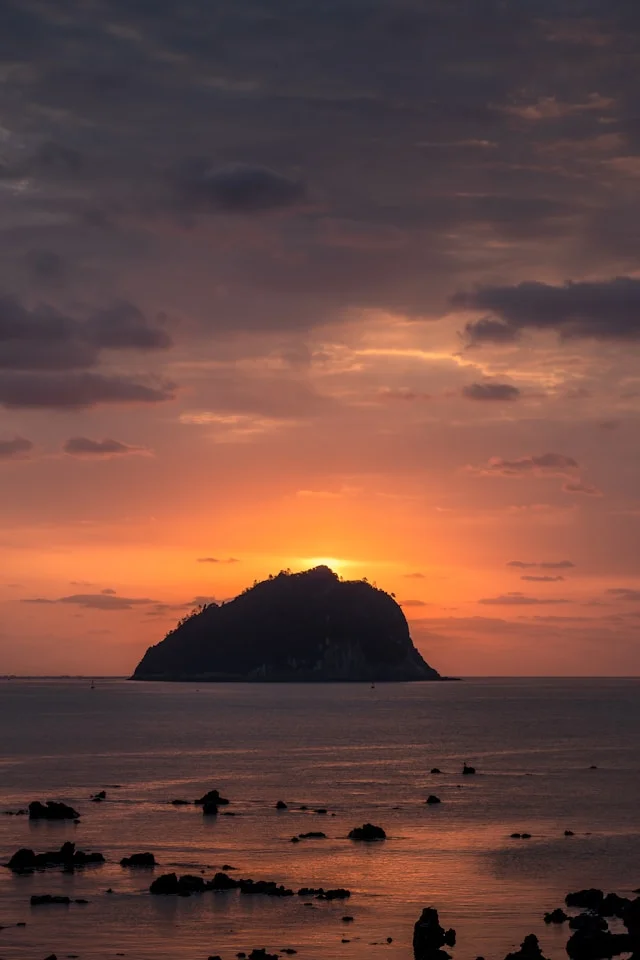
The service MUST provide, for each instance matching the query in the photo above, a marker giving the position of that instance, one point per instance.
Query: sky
(286, 283)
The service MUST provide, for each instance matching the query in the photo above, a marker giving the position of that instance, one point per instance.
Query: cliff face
(293, 627)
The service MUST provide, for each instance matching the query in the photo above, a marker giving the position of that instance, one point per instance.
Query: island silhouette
(293, 627)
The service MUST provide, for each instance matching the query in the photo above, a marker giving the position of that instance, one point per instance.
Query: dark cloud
(217, 560)
(413, 576)
(545, 464)
(624, 593)
(108, 592)
(16, 449)
(534, 579)
(517, 600)
(585, 489)
(600, 310)
(37, 600)
(542, 565)
(414, 603)
(490, 391)
(84, 447)
(43, 338)
(237, 188)
(76, 390)
(97, 601)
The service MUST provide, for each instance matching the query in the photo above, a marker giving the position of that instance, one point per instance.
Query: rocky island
(309, 626)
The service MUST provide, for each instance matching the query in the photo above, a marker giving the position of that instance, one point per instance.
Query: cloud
(216, 560)
(413, 576)
(534, 579)
(37, 600)
(550, 108)
(585, 489)
(599, 310)
(402, 393)
(542, 565)
(84, 447)
(43, 338)
(76, 390)
(517, 600)
(237, 188)
(108, 592)
(545, 464)
(104, 601)
(414, 603)
(624, 593)
(16, 449)
(490, 391)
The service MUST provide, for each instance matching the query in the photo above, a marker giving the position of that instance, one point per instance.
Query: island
(293, 627)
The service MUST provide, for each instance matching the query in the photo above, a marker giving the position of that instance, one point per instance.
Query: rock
(590, 899)
(265, 888)
(303, 807)
(139, 860)
(289, 950)
(308, 626)
(431, 799)
(295, 839)
(435, 770)
(46, 898)
(313, 835)
(556, 916)
(589, 922)
(529, 950)
(213, 796)
(340, 893)
(215, 957)
(589, 944)
(99, 797)
(51, 956)
(166, 885)
(569, 833)
(25, 860)
(525, 836)
(281, 805)
(223, 881)
(180, 803)
(347, 919)
(614, 906)
(209, 809)
(262, 954)
(368, 831)
(468, 770)
(631, 917)
(52, 810)
(429, 937)
(320, 810)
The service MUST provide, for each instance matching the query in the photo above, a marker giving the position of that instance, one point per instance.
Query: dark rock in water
(262, 954)
(209, 809)
(281, 805)
(591, 944)
(308, 626)
(631, 917)
(429, 937)
(265, 888)
(295, 839)
(313, 835)
(213, 796)
(166, 885)
(432, 799)
(99, 797)
(51, 956)
(320, 810)
(214, 957)
(288, 950)
(589, 922)
(468, 770)
(139, 860)
(556, 916)
(340, 893)
(435, 770)
(347, 919)
(52, 810)
(45, 899)
(222, 881)
(569, 833)
(368, 831)
(614, 906)
(529, 950)
(585, 899)
(303, 807)
(180, 803)
(25, 860)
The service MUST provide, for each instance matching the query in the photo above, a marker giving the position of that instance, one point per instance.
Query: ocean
(362, 754)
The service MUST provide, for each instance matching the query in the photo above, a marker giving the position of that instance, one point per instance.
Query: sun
(334, 563)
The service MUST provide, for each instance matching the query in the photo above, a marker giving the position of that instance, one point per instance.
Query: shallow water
(365, 755)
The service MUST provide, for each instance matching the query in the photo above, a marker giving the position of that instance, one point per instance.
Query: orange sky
(370, 298)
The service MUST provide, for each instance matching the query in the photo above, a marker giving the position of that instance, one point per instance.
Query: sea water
(361, 753)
